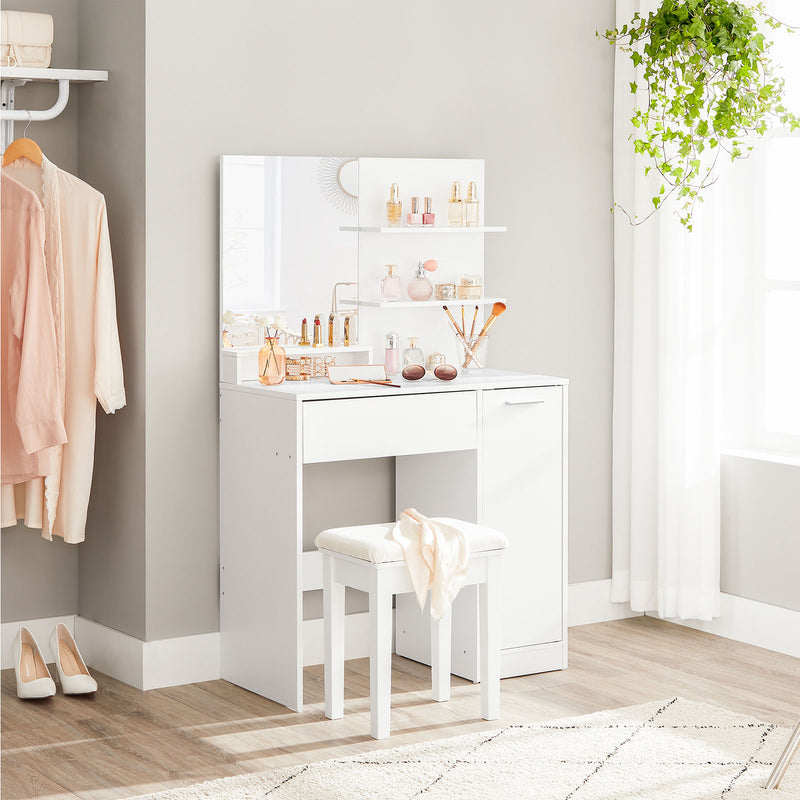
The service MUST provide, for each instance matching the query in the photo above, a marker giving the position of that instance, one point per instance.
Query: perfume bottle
(392, 354)
(391, 285)
(471, 206)
(394, 206)
(414, 218)
(455, 206)
(419, 287)
(413, 354)
(427, 215)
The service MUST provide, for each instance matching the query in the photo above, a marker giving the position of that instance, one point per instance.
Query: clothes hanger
(23, 148)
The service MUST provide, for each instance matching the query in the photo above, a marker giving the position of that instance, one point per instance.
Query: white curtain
(678, 299)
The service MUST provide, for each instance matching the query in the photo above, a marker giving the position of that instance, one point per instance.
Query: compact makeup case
(26, 39)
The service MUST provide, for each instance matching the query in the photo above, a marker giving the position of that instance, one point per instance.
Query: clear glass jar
(470, 287)
(472, 351)
(271, 363)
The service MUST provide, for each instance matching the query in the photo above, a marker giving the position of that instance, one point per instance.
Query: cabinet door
(523, 498)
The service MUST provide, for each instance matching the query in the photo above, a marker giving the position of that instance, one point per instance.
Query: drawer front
(373, 427)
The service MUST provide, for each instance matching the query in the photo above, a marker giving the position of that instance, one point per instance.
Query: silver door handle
(523, 402)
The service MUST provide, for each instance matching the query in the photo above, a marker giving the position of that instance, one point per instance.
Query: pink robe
(81, 279)
(31, 408)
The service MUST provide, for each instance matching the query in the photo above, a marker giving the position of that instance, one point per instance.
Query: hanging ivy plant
(705, 86)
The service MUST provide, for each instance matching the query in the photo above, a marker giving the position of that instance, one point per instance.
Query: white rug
(670, 750)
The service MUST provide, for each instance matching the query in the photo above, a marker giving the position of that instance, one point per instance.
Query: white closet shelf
(481, 301)
(426, 229)
(51, 74)
(11, 78)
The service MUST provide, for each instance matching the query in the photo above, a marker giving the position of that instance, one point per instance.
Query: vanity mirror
(281, 247)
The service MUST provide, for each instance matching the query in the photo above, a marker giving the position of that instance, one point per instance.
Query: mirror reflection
(281, 248)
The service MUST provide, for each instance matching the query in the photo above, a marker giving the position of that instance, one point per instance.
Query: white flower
(264, 322)
(280, 323)
(229, 317)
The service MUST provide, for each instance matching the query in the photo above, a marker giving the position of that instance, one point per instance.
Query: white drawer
(372, 427)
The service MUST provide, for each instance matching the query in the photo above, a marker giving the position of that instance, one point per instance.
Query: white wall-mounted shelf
(51, 74)
(481, 301)
(427, 229)
(11, 78)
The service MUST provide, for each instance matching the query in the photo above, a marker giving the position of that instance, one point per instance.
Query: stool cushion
(374, 542)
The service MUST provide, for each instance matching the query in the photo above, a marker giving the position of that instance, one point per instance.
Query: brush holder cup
(472, 352)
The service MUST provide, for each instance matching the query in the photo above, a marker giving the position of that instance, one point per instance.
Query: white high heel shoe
(33, 677)
(72, 672)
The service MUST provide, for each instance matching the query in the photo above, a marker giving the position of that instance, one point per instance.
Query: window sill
(764, 455)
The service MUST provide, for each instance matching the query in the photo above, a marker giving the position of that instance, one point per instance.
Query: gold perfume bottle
(455, 206)
(472, 206)
(394, 206)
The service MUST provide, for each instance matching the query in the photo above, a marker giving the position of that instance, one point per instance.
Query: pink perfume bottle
(419, 287)
(392, 354)
(428, 216)
(391, 285)
(414, 218)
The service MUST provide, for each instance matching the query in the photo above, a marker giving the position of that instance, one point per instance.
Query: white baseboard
(590, 602)
(111, 651)
(755, 623)
(193, 659)
(184, 659)
(41, 630)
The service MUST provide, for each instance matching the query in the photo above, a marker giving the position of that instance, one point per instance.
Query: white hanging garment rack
(13, 77)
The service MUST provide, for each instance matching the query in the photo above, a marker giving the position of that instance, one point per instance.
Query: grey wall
(40, 578)
(760, 541)
(526, 86)
(111, 158)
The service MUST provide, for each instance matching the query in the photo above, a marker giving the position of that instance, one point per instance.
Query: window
(776, 401)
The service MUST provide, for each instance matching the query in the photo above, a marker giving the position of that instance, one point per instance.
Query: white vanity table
(489, 447)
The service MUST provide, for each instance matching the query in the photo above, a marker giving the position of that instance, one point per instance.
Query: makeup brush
(453, 320)
(463, 324)
(474, 319)
(497, 309)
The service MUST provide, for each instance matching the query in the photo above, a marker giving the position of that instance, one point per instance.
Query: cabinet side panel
(260, 566)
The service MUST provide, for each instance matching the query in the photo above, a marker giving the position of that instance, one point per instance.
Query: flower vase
(271, 363)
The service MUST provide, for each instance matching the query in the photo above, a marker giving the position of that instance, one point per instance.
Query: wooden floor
(122, 742)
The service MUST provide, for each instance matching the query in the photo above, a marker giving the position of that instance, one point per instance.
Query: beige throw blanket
(437, 555)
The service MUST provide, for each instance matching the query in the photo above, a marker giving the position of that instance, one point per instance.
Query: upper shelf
(50, 74)
(480, 301)
(407, 229)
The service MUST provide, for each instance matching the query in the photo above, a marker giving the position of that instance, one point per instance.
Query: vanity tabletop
(322, 389)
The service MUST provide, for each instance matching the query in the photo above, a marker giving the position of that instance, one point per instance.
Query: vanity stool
(366, 557)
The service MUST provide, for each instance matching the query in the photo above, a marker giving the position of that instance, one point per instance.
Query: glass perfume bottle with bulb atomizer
(419, 287)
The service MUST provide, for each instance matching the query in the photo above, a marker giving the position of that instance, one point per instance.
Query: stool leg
(440, 657)
(380, 655)
(489, 602)
(333, 613)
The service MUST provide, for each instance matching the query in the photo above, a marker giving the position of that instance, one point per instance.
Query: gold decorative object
(298, 368)
(320, 364)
